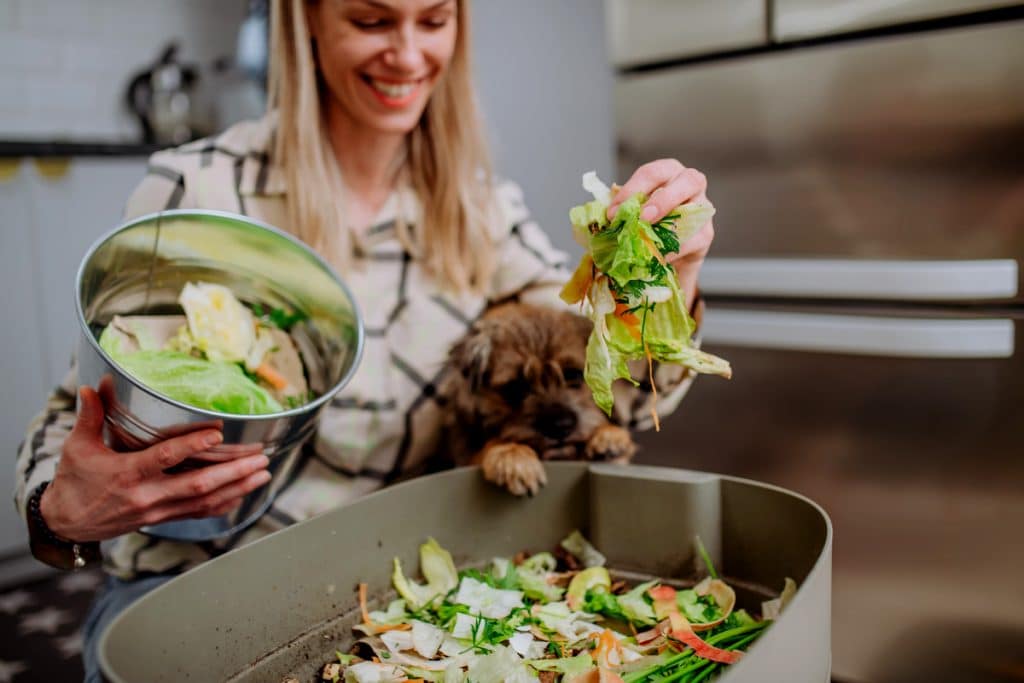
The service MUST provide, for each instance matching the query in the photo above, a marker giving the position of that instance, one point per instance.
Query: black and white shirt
(387, 420)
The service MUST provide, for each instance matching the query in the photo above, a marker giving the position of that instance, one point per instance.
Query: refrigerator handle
(861, 279)
(860, 335)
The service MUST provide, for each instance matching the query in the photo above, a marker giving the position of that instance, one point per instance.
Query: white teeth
(392, 90)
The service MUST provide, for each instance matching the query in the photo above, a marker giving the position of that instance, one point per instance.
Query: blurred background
(865, 157)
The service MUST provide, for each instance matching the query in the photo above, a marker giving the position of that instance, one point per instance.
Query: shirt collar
(261, 175)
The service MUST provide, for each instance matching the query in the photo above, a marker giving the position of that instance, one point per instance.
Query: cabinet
(799, 19)
(47, 225)
(641, 31)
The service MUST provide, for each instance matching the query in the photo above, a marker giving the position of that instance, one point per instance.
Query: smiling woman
(386, 86)
(372, 153)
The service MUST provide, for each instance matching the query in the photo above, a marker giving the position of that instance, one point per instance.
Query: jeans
(112, 599)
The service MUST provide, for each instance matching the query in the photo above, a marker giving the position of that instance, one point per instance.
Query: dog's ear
(472, 355)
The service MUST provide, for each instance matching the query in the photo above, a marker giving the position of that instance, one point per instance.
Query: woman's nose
(406, 53)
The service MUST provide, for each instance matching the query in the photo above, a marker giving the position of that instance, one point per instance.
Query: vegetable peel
(630, 291)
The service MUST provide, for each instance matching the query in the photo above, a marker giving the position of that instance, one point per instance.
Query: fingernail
(262, 461)
(213, 439)
(261, 477)
(648, 213)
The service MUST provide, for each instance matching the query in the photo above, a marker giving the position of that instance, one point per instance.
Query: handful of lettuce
(630, 292)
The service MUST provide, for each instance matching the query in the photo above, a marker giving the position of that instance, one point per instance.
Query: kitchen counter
(57, 148)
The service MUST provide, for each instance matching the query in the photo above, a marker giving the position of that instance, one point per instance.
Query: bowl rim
(241, 218)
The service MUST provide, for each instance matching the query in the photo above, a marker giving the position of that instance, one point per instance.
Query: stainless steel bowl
(141, 267)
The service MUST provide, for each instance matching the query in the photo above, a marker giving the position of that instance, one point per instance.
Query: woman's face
(381, 59)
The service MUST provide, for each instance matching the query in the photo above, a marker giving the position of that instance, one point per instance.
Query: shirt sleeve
(531, 270)
(163, 187)
(40, 451)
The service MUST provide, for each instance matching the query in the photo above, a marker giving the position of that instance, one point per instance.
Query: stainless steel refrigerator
(865, 284)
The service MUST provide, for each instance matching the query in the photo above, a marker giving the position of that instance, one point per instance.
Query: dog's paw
(611, 443)
(515, 467)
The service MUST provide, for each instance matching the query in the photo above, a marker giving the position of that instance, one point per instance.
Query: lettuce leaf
(209, 385)
(438, 569)
(533, 578)
(635, 606)
(567, 666)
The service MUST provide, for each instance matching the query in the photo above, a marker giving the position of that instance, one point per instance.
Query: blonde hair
(446, 164)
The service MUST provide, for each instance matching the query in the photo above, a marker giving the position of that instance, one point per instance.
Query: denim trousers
(113, 598)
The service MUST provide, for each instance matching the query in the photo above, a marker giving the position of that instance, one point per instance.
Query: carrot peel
(370, 623)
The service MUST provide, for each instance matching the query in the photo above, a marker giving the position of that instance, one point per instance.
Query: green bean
(679, 670)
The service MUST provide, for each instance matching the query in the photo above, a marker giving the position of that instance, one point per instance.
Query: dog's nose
(556, 421)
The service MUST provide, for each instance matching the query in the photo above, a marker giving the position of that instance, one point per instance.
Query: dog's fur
(515, 396)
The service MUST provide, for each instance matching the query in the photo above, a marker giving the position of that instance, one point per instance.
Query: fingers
(695, 248)
(667, 184)
(204, 481)
(193, 427)
(218, 502)
(689, 184)
(646, 179)
(228, 452)
(90, 414)
(159, 457)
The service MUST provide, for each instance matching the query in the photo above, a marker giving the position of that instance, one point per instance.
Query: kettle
(160, 97)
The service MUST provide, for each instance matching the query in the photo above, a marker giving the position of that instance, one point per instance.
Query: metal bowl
(206, 625)
(141, 267)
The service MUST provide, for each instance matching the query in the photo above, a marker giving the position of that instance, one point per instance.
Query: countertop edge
(12, 149)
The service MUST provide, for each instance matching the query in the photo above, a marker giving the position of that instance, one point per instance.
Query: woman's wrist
(50, 513)
(47, 545)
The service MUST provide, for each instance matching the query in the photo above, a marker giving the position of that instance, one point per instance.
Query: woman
(372, 154)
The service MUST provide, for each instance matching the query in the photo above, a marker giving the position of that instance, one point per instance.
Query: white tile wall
(64, 64)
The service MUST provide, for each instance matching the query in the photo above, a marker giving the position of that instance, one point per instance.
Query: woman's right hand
(99, 493)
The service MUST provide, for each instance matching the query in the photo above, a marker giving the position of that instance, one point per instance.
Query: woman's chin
(394, 124)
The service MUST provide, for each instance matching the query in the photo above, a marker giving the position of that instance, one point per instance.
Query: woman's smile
(394, 93)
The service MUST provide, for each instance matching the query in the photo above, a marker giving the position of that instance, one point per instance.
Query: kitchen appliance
(161, 98)
(282, 606)
(141, 268)
(236, 87)
(865, 285)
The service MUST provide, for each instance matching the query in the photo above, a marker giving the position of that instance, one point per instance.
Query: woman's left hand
(667, 184)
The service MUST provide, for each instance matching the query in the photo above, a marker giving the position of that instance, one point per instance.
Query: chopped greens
(278, 317)
(627, 287)
(216, 356)
(499, 623)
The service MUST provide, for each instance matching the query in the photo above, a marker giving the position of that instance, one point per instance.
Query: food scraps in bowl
(220, 355)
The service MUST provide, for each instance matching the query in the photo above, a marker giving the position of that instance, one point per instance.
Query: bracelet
(80, 552)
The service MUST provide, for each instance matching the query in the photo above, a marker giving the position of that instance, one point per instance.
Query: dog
(515, 397)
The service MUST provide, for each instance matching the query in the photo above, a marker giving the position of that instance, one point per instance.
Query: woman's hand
(667, 184)
(99, 493)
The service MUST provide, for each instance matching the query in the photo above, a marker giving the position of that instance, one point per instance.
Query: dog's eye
(514, 392)
(573, 377)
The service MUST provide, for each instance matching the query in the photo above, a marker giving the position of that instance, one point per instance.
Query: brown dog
(516, 396)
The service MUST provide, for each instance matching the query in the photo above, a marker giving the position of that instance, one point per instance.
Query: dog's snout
(556, 421)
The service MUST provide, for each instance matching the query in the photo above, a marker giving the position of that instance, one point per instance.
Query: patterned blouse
(387, 420)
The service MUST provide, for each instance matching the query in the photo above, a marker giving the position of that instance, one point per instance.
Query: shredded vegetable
(496, 624)
(627, 287)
